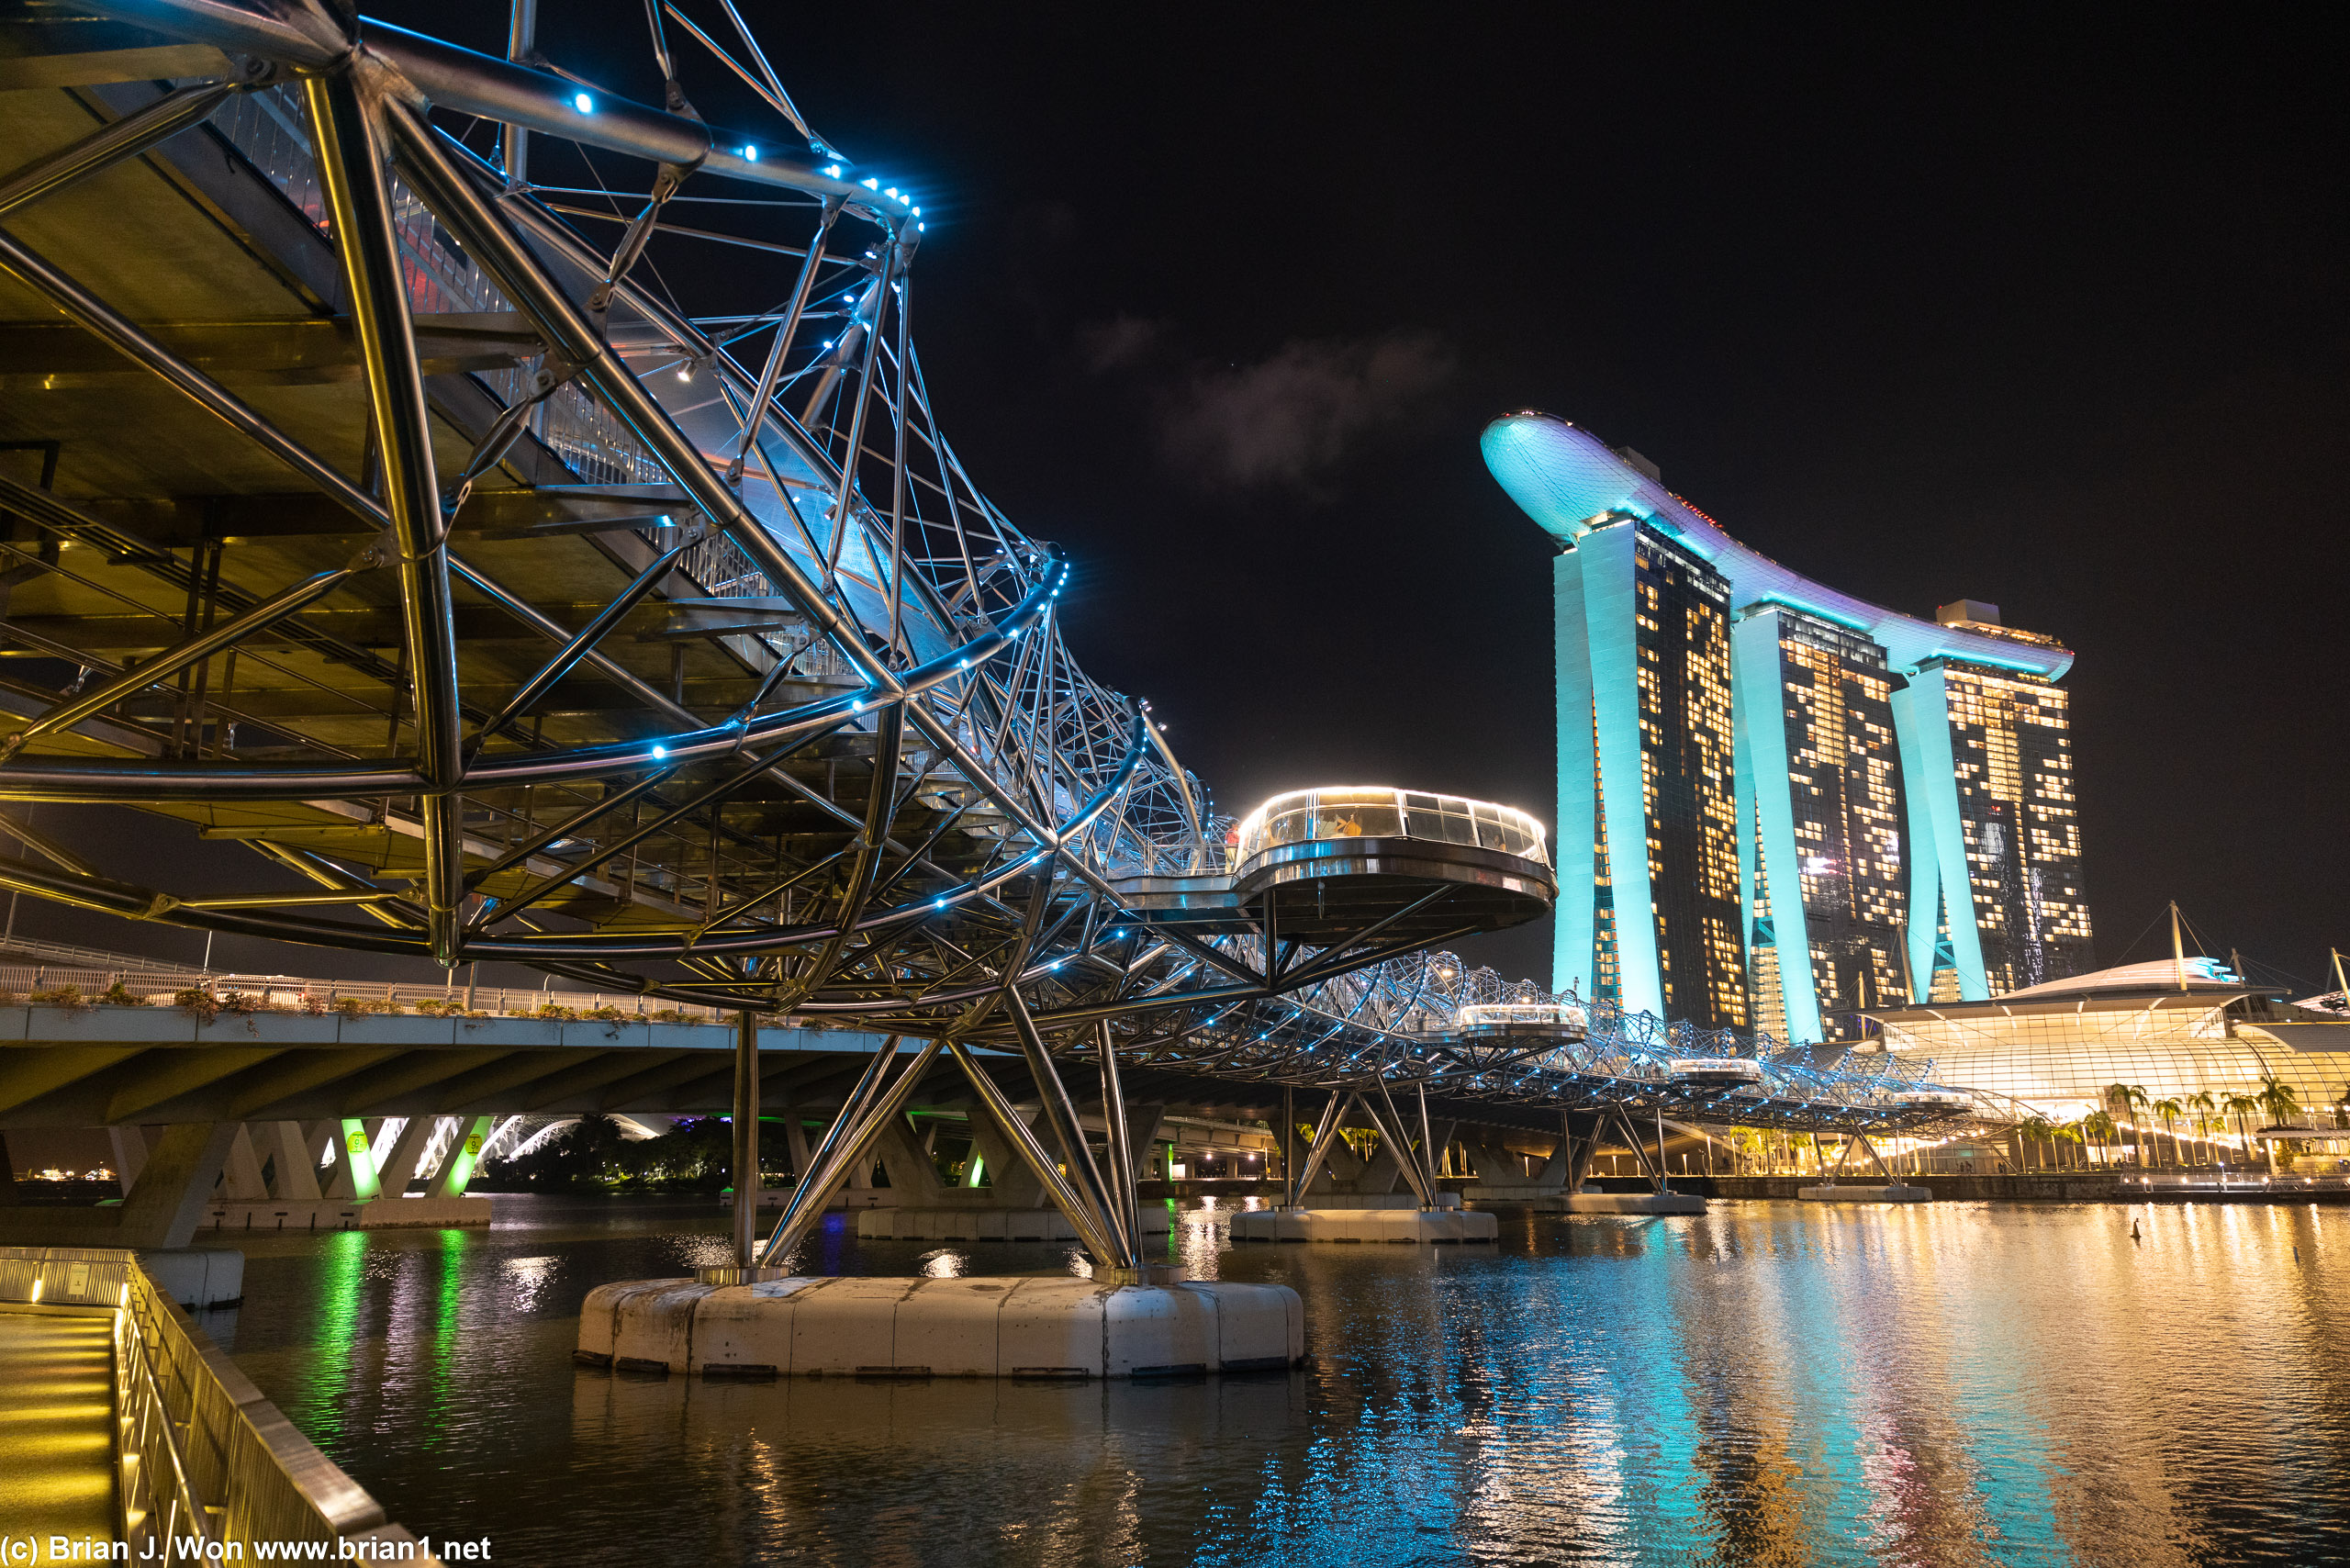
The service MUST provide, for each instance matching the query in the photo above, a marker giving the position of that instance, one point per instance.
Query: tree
(2133, 1106)
(2099, 1125)
(2240, 1106)
(2069, 1132)
(2035, 1128)
(2282, 1106)
(2121, 1098)
(2171, 1111)
(2206, 1117)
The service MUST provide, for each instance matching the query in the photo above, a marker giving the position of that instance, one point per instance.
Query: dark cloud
(1285, 422)
(1120, 343)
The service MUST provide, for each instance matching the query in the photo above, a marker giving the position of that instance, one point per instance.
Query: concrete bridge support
(402, 1159)
(293, 1161)
(1009, 1179)
(161, 1208)
(240, 1174)
(129, 1153)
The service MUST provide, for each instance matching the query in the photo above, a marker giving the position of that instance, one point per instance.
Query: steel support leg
(1060, 1113)
(1085, 1218)
(1341, 1101)
(804, 1191)
(1391, 1127)
(350, 171)
(1127, 1205)
(854, 1143)
(746, 1140)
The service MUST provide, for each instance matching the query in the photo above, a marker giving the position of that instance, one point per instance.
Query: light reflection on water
(1768, 1384)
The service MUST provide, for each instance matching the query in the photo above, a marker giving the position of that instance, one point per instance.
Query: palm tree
(2069, 1133)
(2133, 1106)
(2206, 1113)
(2170, 1111)
(2034, 1128)
(2099, 1125)
(2282, 1106)
(2240, 1106)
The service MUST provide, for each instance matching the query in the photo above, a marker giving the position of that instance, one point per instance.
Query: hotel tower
(1789, 805)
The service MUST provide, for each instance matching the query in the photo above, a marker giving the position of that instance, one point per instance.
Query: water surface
(1768, 1384)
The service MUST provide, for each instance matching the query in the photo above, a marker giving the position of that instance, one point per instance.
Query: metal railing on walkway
(206, 1469)
(30, 968)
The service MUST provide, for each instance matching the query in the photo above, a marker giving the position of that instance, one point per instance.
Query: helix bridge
(501, 515)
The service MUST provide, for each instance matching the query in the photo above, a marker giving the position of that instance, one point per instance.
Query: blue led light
(833, 171)
(750, 153)
(870, 184)
(660, 751)
(584, 103)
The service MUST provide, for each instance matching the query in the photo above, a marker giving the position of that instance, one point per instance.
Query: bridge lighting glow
(832, 171)
(870, 184)
(659, 752)
(584, 103)
(750, 153)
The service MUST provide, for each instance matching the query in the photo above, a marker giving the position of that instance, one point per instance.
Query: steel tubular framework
(810, 743)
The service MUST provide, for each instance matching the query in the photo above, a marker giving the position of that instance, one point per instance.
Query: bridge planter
(386, 1029)
(603, 1034)
(263, 1028)
(97, 1026)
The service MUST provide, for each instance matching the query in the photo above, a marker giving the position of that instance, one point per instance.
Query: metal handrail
(239, 1473)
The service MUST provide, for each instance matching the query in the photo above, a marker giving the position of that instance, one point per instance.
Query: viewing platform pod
(1326, 866)
(1715, 1072)
(1933, 1100)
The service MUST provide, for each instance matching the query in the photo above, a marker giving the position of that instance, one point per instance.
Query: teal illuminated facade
(1790, 805)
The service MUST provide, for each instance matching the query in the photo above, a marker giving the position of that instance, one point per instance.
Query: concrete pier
(977, 1222)
(240, 1215)
(1437, 1225)
(1005, 1326)
(1850, 1193)
(1622, 1204)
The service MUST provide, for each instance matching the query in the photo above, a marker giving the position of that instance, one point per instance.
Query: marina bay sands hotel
(1788, 804)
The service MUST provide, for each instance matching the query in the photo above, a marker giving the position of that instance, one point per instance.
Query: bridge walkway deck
(57, 1408)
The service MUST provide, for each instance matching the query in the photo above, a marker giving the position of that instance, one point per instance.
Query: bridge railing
(91, 973)
(205, 1468)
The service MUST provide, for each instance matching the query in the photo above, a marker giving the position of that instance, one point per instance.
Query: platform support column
(1086, 1219)
(746, 1140)
(848, 1142)
(1124, 1205)
(1391, 1127)
(1341, 1101)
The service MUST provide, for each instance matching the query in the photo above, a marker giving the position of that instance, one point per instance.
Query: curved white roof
(1567, 480)
(2161, 974)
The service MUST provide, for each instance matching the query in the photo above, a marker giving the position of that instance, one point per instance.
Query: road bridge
(528, 559)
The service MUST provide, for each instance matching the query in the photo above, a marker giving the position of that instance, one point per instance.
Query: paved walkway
(56, 1426)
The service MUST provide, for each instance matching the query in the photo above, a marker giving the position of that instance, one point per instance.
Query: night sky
(2046, 312)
